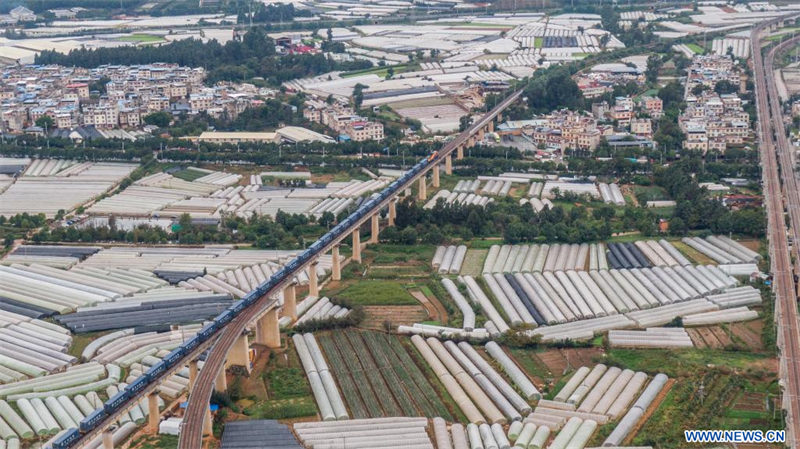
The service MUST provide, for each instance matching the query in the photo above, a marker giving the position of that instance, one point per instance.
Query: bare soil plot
(375, 316)
(697, 339)
(721, 335)
(708, 337)
(748, 335)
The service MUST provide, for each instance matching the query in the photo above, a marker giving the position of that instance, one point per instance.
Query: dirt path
(440, 312)
(434, 313)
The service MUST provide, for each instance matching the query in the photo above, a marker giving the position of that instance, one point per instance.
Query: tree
(161, 119)
(45, 122)
(671, 95)
(389, 73)
(654, 63)
(725, 87)
(464, 122)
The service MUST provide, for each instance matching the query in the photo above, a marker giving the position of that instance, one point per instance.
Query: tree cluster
(697, 210)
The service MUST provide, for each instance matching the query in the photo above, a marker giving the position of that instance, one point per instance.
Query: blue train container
(94, 418)
(207, 331)
(139, 384)
(223, 318)
(116, 401)
(191, 344)
(174, 356)
(156, 370)
(237, 307)
(66, 440)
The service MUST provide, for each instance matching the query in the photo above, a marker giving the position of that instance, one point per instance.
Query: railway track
(191, 436)
(780, 191)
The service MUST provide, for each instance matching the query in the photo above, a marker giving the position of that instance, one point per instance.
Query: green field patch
(696, 48)
(675, 363)
(538, 42)
(381, 71)
(376, 293)
(141, 38)
(283, 408)
(189, 175)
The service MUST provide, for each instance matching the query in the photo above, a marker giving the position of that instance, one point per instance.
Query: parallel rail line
(777, 166)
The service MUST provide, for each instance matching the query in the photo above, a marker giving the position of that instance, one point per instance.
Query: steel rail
(191, 436)
(777, 166)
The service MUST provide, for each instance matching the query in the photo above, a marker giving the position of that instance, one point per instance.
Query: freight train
(113, 404)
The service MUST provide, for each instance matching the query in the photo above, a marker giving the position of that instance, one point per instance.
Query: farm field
(188, 174)
(375, 293)
(378, 377)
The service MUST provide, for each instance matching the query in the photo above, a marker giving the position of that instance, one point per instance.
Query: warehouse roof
(233, 137)
(297, 134)
(260, 434)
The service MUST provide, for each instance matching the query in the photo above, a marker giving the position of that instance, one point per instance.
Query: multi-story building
(132, 93)
(653, 106)
(642, 127)
(342, 119)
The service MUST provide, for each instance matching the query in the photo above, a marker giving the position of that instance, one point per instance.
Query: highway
(191, 436)
(780, 190)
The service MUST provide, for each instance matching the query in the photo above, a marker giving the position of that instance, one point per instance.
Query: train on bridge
(113, 404)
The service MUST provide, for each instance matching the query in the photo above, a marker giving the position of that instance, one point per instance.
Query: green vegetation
(189, 174)
(238, 60)
(283, 408)
(286, 383)
(18, 226)
(393, 254)
(141, 38)
(376, 293)
(713, 400)
(678, 363)
(381, 70)
(156, 442)
(696, 48)
(538, 42)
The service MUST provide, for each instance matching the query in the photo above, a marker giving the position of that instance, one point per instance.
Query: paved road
(777, 166)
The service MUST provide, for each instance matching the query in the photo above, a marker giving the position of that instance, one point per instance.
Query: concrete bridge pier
(313, 282)
(290, 301)
(336, 267)
(267, 330)
(221, 382)
(393, 210)
(357, 245)
(208, 423)
(239, 354)
(153, 413)
(373, 238)
(460, 150)
(193, 369)
(448, 164)
(422, 194)
(108, 439)
(436, 176)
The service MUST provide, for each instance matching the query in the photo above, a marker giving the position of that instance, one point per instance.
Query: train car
(191, 344)
(433, 156)
(156, 370)
(174, 356)
(237, 307)
(66, 440)
(223, 318)
(207, 331)
(139, 384)
(116, 401)
(94, 418)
